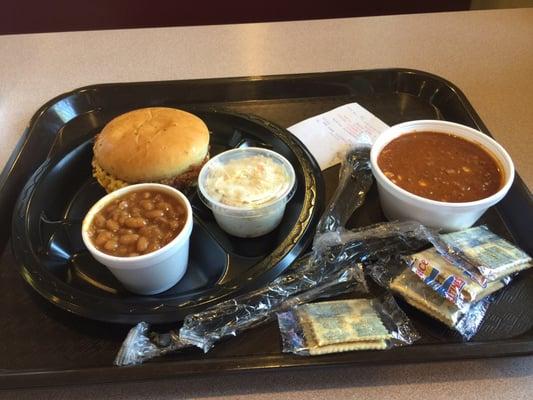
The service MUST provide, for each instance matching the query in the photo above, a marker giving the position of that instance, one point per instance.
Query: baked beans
(137, 223)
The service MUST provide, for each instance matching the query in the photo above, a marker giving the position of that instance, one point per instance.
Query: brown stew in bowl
(441, 167)
(137, 223)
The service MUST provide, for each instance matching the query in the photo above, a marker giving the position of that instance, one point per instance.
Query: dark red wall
(29, 16)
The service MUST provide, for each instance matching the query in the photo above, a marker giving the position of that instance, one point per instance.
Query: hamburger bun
(155, 144)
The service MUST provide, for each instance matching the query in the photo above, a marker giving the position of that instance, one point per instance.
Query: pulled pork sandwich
(156, 144)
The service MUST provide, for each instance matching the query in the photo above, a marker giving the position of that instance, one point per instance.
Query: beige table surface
(488, 54)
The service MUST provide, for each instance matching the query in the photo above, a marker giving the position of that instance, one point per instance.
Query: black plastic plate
(47, 231)
(43, 345)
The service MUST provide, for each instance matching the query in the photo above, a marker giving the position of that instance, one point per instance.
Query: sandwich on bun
(156, 144)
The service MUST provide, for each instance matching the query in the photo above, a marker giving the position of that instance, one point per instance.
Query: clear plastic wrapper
(448, 280)
(345, 325)
(493, 256)
(142, 345)
(466, 319)
(457, 259)
(482, 254)
(332, 268)
(355, 179)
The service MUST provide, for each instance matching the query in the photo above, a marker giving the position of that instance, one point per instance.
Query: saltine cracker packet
(345, 325)
(449, 281)
(493, 256)
(466, 320)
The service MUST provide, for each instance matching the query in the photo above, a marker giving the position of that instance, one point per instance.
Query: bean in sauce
(137, 223)
(441, 167)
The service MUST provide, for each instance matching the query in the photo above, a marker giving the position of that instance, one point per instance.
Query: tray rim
(19, 378)
(248, 364)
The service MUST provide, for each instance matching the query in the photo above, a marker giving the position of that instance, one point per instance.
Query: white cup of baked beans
(141, 234)
(442, 174)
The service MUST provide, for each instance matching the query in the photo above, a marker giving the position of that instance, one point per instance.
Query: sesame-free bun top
(151, 144)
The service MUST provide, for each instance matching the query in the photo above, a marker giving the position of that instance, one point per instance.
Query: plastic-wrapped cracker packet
(345, 325)
(450, 281)
(466, 320)
(493, 256)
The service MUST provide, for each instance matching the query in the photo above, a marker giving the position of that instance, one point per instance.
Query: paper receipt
(329, 135)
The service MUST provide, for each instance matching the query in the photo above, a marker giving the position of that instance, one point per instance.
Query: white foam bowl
(153, 272)
(399, 204)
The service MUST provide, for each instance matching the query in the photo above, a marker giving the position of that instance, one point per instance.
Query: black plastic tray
(40, 344)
